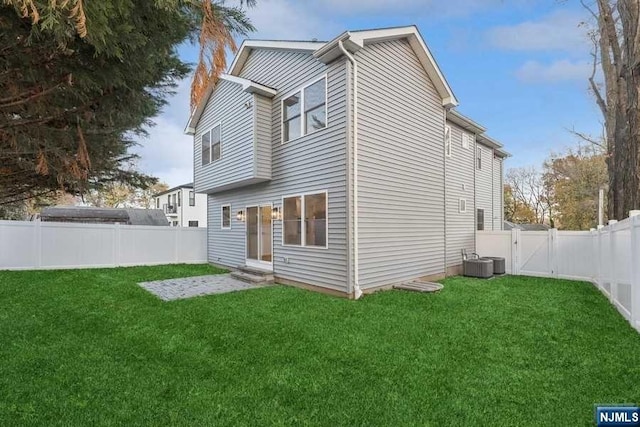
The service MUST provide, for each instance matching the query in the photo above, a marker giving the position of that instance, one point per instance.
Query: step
(253, 270)
(262, 279)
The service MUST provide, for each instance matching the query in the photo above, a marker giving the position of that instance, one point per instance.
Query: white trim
(302, 112)
(222, 227)
(466, 140)
(303, 243)
(253, 262)
(462, 201)
(250, 86)
(479, 153)
(356, 40)
(448, 142)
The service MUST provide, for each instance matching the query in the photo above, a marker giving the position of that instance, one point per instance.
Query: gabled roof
(249, 45)
(356, 40)
(248, 86)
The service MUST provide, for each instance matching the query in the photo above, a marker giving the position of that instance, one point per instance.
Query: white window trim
(479, 155)
(448, 145)
(222, 227)
(466, 140)
(303, 230)
(302, 113)
(211, 161)
(462, 200)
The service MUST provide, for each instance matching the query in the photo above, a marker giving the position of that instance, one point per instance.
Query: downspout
(357, 292)
(444, 159)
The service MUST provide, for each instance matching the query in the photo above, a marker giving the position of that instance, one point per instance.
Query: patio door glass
(259, 236)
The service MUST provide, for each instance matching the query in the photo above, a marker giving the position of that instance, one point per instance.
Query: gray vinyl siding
(237, 154)
(316, 162)
(498, 207)
(400, 167)
(459, 184)
(484, 186)
(263, 129)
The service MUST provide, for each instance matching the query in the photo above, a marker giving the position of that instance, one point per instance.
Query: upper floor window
(179, 197)
(157, 202)
(305, 111)
(192, 198)
(447, 141)
(211, 145)
(479, 158)
(466, 140)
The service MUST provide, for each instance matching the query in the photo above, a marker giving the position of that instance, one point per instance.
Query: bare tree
(529, 188)
(617, 52)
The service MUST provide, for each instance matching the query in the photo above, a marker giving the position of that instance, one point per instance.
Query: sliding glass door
(259, 237)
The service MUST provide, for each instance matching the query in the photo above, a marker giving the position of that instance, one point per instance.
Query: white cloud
(168, 153)
(560, 31)
(558, 71)
(289, 20)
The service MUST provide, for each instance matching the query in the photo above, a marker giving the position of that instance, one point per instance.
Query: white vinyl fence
(609, 257)
(52, 245)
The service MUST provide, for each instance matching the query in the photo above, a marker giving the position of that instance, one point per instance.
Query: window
(292, 221)
(466, 140)
(192, 198)
(173, 199)
(175, 223)
(226, 217)
(211, 145)
(193, 223)
(479, 158)
(179, 197)
(462, 206)
(305, 220)
(480, 220)
(168, 199)
(447, 141)
(157, 202)
(305, 111)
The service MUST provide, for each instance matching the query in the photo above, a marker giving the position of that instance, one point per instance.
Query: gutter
(357, 292)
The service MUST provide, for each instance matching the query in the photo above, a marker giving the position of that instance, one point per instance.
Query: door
(259, 237)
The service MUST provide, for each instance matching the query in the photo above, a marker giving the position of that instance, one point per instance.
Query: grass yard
(89, 347)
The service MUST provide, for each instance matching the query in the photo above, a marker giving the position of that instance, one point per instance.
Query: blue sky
(519, 67)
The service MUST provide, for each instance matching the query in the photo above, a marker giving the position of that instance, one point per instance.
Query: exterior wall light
(240, 216)
(276, 215)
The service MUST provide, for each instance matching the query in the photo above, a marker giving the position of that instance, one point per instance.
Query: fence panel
(50, 245)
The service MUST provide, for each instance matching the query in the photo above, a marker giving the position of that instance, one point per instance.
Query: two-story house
(183, 206)
(342, 165)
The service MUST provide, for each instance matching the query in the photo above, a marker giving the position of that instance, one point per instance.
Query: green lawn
(89, 347)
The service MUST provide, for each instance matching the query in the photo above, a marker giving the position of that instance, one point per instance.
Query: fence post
(37, 243)
(634, 224)
(553, 252)
(177, 245)
(116, 245)
(613, 290)
(515, 251)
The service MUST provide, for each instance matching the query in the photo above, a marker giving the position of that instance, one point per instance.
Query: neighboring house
(341, 164)
(508, 225)
(183, 206)
(93, 215)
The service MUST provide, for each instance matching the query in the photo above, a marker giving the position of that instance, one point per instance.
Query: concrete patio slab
(188, 287)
